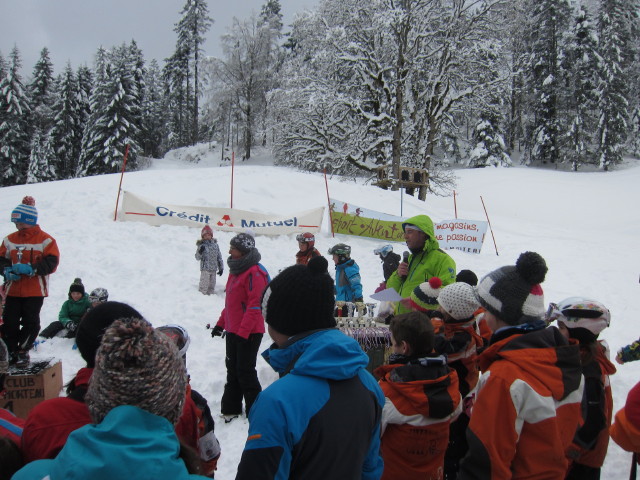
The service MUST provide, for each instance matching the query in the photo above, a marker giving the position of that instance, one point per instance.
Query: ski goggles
(95, 298)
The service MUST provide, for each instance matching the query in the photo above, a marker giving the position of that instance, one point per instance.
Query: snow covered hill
(586, 226)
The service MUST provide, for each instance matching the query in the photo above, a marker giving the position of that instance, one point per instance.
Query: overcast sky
(74, 29)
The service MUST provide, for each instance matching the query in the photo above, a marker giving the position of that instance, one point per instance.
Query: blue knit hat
(25, 212)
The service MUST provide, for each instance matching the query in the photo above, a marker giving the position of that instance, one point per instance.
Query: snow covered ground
(586, 226)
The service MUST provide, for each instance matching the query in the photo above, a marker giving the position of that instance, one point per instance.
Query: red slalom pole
(233, 161)
(489, 221)
(124, 165)
(326, 184)
(455, 205)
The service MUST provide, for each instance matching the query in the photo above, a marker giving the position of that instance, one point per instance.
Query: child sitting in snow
(71, 312)
(210, 258)
(421, 397)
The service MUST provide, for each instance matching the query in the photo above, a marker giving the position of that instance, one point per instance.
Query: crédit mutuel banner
(139, 209)
(349, 219)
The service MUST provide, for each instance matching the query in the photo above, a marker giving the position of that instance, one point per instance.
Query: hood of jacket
(327, 353)
(542, 354)
(427, 387)
(129, 441)
(424, 223)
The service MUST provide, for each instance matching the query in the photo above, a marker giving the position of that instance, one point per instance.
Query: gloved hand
(71, 326)
(201, 249)
(22, 269)
(217, 331)
(220, 272)
(9, 276)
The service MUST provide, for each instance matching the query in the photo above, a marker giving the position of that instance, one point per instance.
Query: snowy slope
(586, 226)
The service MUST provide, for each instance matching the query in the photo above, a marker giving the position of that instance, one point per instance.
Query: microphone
(405, 259)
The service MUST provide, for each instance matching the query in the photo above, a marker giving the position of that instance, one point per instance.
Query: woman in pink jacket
(242, 322)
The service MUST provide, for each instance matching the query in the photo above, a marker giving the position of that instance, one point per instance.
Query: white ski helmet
(99, 295)
(579, 312)
(178, 335)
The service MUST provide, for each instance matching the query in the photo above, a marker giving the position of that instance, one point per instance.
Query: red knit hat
(206, 229)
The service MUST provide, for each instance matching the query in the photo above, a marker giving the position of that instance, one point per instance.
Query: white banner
(139, 209)
(465, 235)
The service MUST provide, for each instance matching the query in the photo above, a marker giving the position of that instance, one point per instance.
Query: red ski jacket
(36, 247)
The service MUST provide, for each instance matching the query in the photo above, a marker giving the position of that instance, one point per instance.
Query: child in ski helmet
(306, 248)
(348, 284)
(98, 295)
(208, 252)
(196, 407)
(583, 319)
(390, 260)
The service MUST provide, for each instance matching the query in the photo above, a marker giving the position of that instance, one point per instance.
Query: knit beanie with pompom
(513, 292)
(425, 296)
(136, 365)
(25, 212)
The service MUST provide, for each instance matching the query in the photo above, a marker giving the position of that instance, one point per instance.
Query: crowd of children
(464, 354)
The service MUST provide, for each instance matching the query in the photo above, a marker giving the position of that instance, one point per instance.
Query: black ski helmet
(342, 250)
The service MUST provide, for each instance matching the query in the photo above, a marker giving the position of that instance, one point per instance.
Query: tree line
(352, 86)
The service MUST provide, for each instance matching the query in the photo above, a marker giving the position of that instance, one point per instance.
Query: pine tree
(40, 168)
(176, 85)
(66, 133)
(14, 136)
(154, 119)
(488, 144)
(40, 92)
(138, 70)
(582, 63)
(193, 25)
(617, 24)
(85, 87)
(551, 18)
(112, 125)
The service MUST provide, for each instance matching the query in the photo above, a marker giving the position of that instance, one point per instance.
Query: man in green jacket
(425, 261)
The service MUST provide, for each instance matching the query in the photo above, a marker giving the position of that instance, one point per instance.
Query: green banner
(350, 224)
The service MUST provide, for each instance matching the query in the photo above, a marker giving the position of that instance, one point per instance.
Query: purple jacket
(242, 314)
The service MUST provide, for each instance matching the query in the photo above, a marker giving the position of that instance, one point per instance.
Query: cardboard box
(26, 388)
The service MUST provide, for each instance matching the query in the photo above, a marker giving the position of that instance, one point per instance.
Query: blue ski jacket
(322, 419)
(128, 443)
(348, 282)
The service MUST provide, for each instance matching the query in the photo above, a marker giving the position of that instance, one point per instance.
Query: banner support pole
(489, 222)
(455, 205)
(124, 164)
(326, 184)
(233, 161)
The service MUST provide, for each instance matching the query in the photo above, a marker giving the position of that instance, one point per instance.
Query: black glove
(201, 249)
(217, 331)
(71, 326)
(220, 272)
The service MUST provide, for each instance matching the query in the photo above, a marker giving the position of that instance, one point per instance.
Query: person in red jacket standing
(27, 257)
(243, 323)
(307, 249)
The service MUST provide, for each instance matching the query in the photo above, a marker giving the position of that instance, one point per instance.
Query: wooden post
(124, 164)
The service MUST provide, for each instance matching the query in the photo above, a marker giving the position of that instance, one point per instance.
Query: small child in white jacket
(210, 258)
